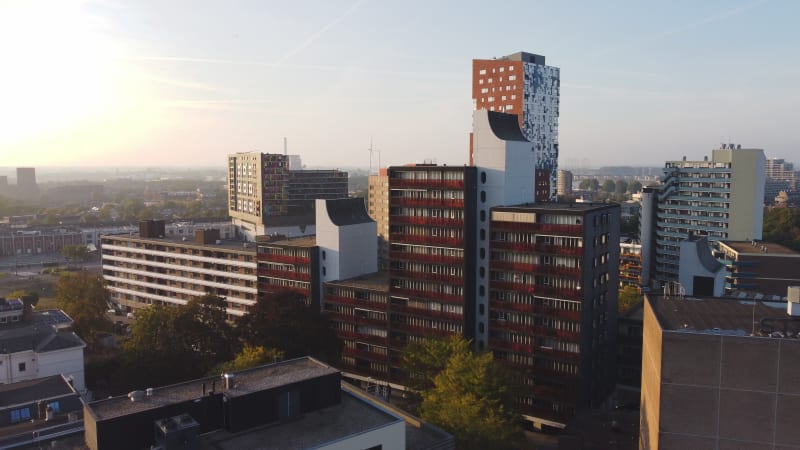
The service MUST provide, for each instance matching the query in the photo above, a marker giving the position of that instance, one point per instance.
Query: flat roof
(33, 390)
(559, 206)
(238, 246)
(245, 382)
(747, 247)
(377, 281)
(350, 417)
(300, 241)
(726, 316)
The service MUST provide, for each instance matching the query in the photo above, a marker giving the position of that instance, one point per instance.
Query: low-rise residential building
(761, 267)
(145, 269)
(296, 404)
(35, 345)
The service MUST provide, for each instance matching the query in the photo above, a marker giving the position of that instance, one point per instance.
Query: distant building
(265, 193)
(564, 186)
(378, 209)
(38, 345)
(630, 264)
(38, 240)
(523, 85)
(760, 267)
(714, 378)
(780, 176)
(296, 404)
(720, 198)
(148, 268)
(26, 182)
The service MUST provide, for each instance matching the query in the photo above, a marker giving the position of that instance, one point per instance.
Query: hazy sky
(169, 82)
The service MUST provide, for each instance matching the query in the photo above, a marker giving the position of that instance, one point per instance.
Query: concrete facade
(707, 383)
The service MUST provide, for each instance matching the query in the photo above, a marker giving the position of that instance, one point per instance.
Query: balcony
(364, 354)
(420, 330)
(440, 277)
(573, 272)
(447, 298)
(362, 337)
(550, 228)
(352, 318)
(402, 183)
(510, 346)
(265, 287)
(525, 329)
(359, 303)
(437, 241)
(283, 258)
(427, 221)
(427, 203)
(289, 274)
(421, 312)
(527, 247)
(451, 260)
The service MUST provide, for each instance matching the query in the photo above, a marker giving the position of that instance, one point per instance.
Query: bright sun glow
(56, 71)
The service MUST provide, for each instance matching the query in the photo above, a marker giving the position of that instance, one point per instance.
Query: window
(22, 367)
(324, 271)
(482, 72)
(483, 196)
(483, 215)
(483, 177)
(55, 406)
(18, 415)
(483, 234)
(323, 255)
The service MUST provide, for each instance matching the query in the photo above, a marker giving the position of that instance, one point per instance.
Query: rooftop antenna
(370, 154)
(285, 147)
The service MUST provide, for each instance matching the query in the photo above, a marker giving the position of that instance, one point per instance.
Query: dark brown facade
(760, 267)
(553, 302)
(289, 264)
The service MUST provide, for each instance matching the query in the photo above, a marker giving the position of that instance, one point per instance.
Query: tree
(249, 357)
(471, 396)
(584, 184)
(620, 187)
(628, 297)
(75, 252)
(282, 321)
(782, 226)
(609, 186)
(634, 186)
(423, 360)
(629, 225)
(594, 184)
(84, 298)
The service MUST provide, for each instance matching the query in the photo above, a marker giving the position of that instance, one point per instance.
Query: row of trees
(168, 344)
(618, 186)
(782, 226)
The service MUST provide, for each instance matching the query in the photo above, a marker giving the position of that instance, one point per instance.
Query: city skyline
(99, 83)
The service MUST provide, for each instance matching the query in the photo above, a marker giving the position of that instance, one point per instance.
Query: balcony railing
(419, 202)
(365, 354)
(426, 220)
(535, 268)
(400, 183)
(447, 298)
(552, 228)
(452, 260)
(511, 346)
(533, 330)
(352, 318)
(359, 303)
(265, 287)
(422, 312)
(500, 305)
(440, 277)
(529, 247)
(290, 274)
(439, 241)
(420, 330)
(283, 258)
(363, 337)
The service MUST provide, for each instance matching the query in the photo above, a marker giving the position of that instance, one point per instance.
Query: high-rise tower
(522, 84)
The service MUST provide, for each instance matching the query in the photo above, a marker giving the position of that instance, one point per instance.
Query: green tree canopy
(620, 187)
(634, 186)
(282, 321)
(249, 357)
(609, 186)
(594, 184)
(584, 184)
(628, 297)
(471, 396)
(83, 297)
(75, 252)
(782, 226)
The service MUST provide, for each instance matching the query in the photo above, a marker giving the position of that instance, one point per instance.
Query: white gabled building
(38, 345)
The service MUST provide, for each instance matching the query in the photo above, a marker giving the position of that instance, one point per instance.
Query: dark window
(482, 290)
(481, 309)
(483, 234)
(483, 196)
(482, 271)
(323, 255)
(480, 327)
(483, 177)
(22, 367)
(483, 216)
(324, 272)
(483, 253)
